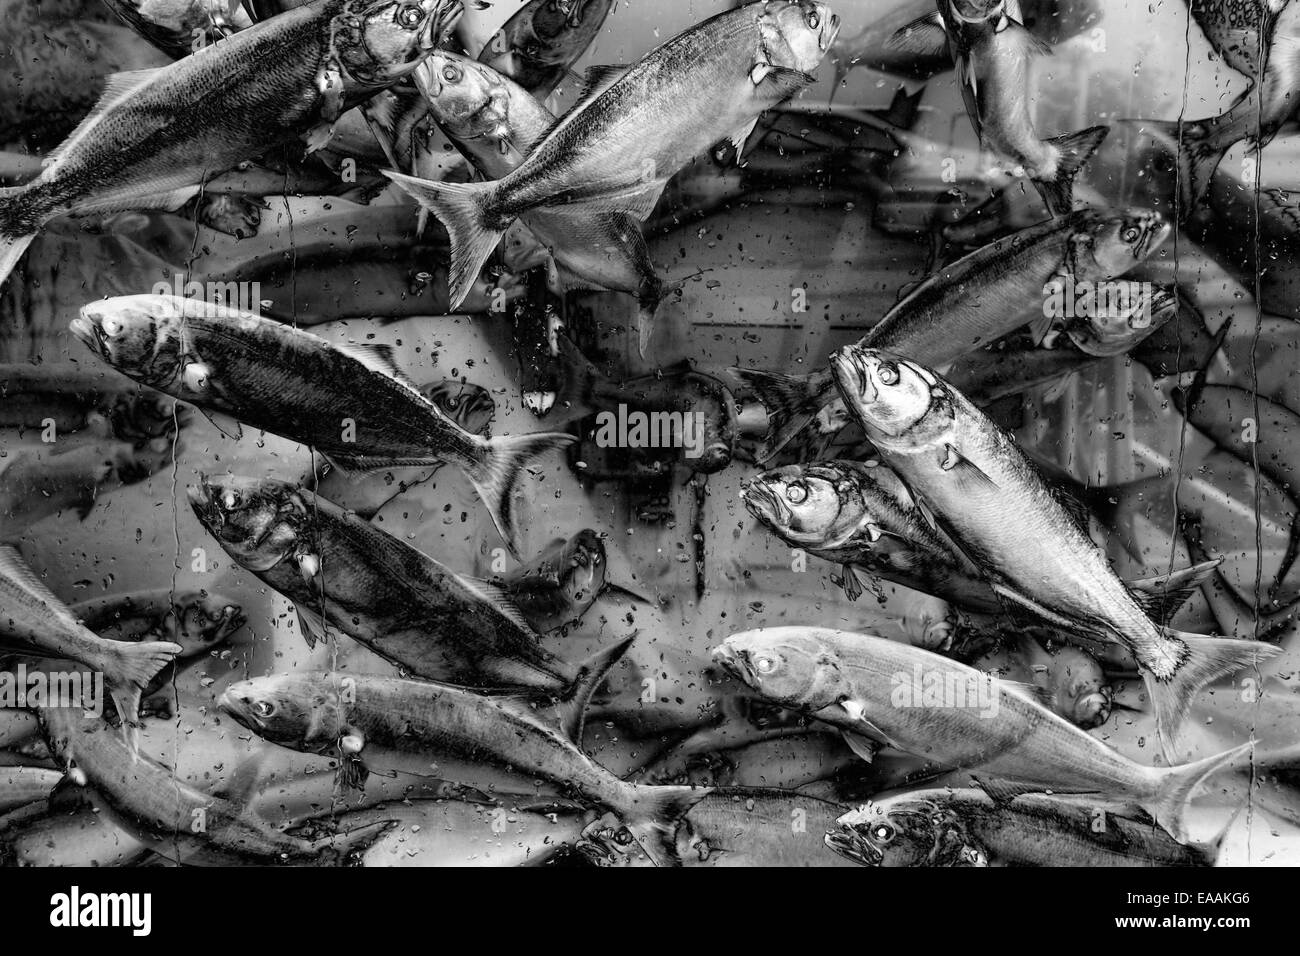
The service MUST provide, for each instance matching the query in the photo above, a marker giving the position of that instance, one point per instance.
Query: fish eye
(452, 401)
(888, 373)
(797, 493)
(1130, 234)
(111, 326)
(230, 499)
(264, 708)
(451, 73)
(813, 20)
(765, 665)
(882, 832)
(410, 15)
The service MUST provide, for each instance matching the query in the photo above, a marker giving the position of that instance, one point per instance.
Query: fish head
(469, 406)
(974, 12)
(1121, 314)
(893, 397)
(583, 569)
(896, 832)
(303, 712)
(562, 28)
(259, 521)
(1120, 242)
(467, 99)
(797, 36)
(199, 621)
(376, 42)
(139, 335)
(813, 505)
(791, 666)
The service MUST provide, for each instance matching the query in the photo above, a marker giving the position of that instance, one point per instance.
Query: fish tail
(465, 210)
(1205, 659)
(591, 674)
(1074, 149)
(1199, 155)
(1176, 786)
(791, 402)
(654, 816)
(496, 475)
(128, 669)
(18, 225)
(645, 322)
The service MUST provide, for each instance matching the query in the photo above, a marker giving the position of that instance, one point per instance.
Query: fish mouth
(736, 663)
(764, 504)
(438, 25)
(1154, 232)
(425, 78)
(850, 369)
(90, 333)
(848, 844)
(235, 707)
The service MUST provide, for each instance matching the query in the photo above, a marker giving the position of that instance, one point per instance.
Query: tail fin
(791, 402)
(128, 669)
(590, 676)
(495, 476)
(654, 816)
(1075, 149)
(463, 210)
(1177, 784)
(17, 229)
(1206, 659)
(645, 323)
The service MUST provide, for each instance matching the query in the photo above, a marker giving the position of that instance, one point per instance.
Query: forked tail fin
(655, 815)
(1176, 786)
(497, 474)
(1075, 149)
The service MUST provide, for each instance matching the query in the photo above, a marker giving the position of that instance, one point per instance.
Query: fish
(156, 135)
(468, 405)
(347, 576)
(966, 827)
(495, 123)
(175, 819)
(36, 622)
(292, 383)
(538, 46)
(556, 588)
(596, 157)
(76, 397)
(178, 27)
(37, 481)
(909, 40)
(79, 838)
(956, 716)
(343, 713)
(583, 390)
(974, 301)
(1070, 680)
(1260, 39)
(988, 497)
(20, 786)
(861, 516)
(992, 52)
(738, 826)
(1115, 326)
(196, 620)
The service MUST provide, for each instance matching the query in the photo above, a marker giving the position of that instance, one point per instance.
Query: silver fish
(295, 384)
(955, 715)
(538, 46)
(707, 83)
(993, 503)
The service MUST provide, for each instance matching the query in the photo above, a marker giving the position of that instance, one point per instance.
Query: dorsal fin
(499, 598)
(377, 358)
(16, 569)
(597, 80)
(573, 711)
(117, 87)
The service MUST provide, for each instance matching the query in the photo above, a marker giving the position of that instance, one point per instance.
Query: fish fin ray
(1178, 783)
(498, 472)
(591, 675)
(1075, 150)
(658, 812)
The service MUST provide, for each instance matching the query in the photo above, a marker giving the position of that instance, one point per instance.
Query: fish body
(952, 714)
(155, 136)
(292, 383)
(538, 46)
(320, 713)
(992, 51)
(850, 513)
(36, 622)
(20, 786)
(155, 806)
(707, 83)
(993, 503)
(179, 27)
(346, 575)
(495, 123)
(966, 827)
(975, 301)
